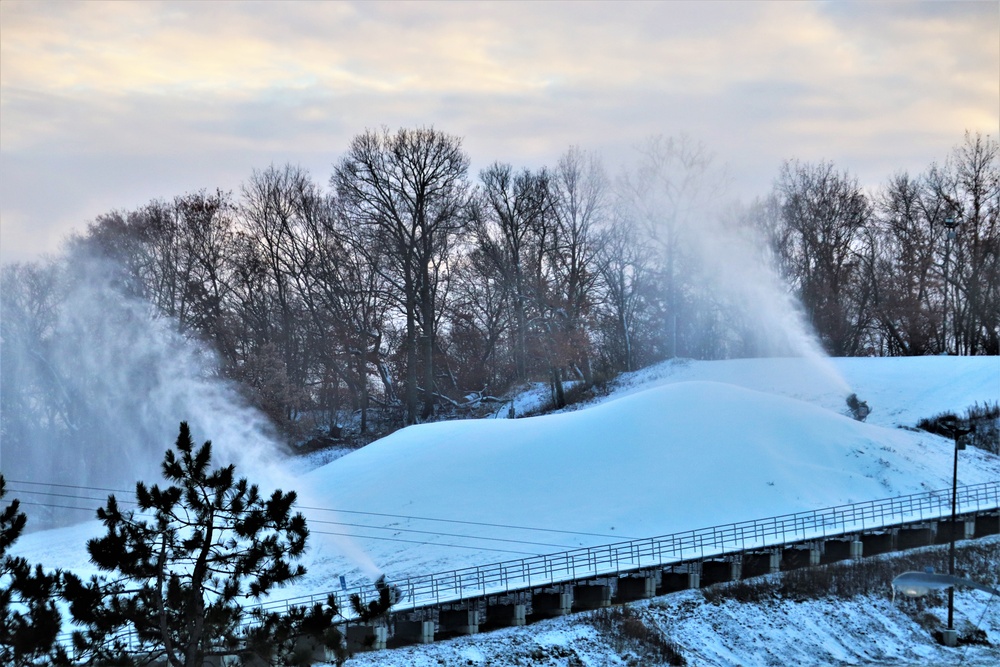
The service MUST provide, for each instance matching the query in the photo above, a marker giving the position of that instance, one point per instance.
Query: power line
(411, 517)
(67, 495)
(470, 523)
(64, 507)
(369, 537)
(68, 486)
(430, 532)
(335, 523)
(353, 535)
(436, 544)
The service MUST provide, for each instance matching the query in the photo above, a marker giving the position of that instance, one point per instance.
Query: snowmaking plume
(733, 261)
(93, 395)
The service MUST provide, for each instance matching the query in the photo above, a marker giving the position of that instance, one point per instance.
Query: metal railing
(623, 557)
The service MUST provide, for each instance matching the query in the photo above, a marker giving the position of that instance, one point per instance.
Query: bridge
(514, 592)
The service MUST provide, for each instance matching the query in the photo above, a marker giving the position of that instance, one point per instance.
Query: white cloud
(197, 94)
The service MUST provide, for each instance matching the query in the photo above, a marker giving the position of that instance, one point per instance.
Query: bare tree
(274, 206)
(511, 212)
(346, 299)
(668, 192)
(969, 187)
(410, 191)
(623, 264)
(824, 213)
(907, 246)
(580, 197)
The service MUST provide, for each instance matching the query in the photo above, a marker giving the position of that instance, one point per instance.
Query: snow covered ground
(679, 446)
(682, 445)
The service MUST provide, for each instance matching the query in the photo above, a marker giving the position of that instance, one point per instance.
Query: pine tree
(295, 636)
(185, 563)
(29, 619)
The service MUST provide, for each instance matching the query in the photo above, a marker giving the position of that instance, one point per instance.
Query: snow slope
(680, 446)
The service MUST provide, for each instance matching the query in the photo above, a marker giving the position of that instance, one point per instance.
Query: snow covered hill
(679, 446)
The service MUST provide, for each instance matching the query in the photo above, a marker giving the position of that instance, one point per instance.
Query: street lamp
(950, 424)
(950, 223)
(918, 584)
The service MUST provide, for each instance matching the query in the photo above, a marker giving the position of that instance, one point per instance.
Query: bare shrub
(628, 631)
(983, 419)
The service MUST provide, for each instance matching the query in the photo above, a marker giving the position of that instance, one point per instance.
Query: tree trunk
(558, 395)
(427, 344)
(411, 364)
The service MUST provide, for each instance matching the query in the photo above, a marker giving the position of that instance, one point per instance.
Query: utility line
(436, 544)
(373, 537)
(430, 532)
(67, 495)
(64, 507)
(470, 523)
(362, 537)
(380, 514)
(67, 486)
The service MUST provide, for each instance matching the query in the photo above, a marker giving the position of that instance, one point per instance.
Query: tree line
(409, 289)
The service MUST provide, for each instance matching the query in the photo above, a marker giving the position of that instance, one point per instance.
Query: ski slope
(679, 446)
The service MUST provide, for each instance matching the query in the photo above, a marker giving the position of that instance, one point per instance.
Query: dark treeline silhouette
(409, 289)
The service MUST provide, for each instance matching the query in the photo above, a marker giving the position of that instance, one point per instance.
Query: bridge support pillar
(857, 549)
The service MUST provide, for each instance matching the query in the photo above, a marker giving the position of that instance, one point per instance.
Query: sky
(108, 105)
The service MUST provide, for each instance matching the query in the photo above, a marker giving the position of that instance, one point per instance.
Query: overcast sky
(108, 105)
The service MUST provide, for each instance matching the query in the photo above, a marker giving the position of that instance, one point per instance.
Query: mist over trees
(410, 289)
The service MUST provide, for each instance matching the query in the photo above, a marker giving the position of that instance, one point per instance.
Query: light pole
(950, 224)
(950, 423)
